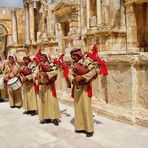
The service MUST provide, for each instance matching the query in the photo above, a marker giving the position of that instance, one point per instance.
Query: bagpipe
(46, 68)
(25, 71)
(78, 69)
(43, 67)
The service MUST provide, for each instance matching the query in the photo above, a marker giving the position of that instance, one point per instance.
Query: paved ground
(24, 131)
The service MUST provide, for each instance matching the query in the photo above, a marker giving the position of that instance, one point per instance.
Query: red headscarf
(27, 57)
(77, 51)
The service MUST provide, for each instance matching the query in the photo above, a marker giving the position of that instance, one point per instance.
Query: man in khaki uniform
(29, 96)
(3, 91)
(81, 74)
(11, 71)
(48, 102)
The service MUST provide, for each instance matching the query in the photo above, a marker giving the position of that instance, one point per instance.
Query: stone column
(14, 28)
(88, 12)
(79, 17)
(59, 36)
(99, 21)
(105, 12)
(48, 26)
(122, 16)
(132, 41)
(9, 40)
(31, 21)
(134, 87)
(27, 30)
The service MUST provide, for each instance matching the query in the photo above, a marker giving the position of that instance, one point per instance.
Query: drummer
(3, 91)
(11, 71)
(29, 96)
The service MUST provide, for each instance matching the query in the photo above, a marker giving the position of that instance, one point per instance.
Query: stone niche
(119, 85)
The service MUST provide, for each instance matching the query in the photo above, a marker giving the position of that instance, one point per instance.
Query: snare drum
(14, 84)
(2, 84)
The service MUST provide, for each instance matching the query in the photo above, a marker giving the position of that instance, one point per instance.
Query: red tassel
(89, 91)
(103, 66)
(38, 54)
(36, 88)
(61, 57)
(64, 67)
(66, 71)
(94, 56)
(54, 91)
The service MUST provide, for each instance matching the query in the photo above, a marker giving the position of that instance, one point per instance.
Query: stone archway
(3, 39)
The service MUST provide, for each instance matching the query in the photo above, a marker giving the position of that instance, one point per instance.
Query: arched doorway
(3, 39)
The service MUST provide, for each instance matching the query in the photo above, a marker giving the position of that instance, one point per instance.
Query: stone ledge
(122, 58)
(128, 116)
(132, 59)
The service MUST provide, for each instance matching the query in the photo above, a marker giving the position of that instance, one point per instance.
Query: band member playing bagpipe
(11, 78)
(46, 75)
(3, 91)
(29, 96)
(81, 75)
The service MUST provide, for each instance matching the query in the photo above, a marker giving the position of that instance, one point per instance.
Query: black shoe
(26, 112)
(18, 107)
(55, 121)
(48, 120)
(43, 121)
(89, 134)
(33, 113)
(12, 106)
(80, 131)
(1, 100)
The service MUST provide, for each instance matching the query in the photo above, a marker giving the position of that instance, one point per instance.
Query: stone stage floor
(24, 131)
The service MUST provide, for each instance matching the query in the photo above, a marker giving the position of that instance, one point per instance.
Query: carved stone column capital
(30, 3)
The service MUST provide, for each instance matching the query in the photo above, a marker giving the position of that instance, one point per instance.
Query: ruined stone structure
(12, 34)
(120, 30)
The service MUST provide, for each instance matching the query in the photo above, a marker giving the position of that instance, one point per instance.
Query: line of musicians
(32, 86)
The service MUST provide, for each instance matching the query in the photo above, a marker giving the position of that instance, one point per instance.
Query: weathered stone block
(92, 21)
(119, 85)
(142, 76)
